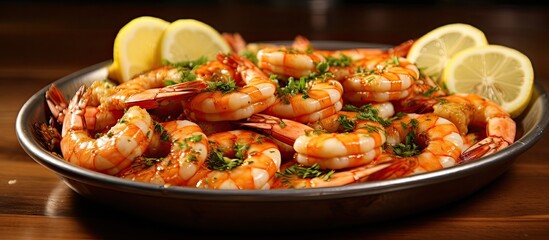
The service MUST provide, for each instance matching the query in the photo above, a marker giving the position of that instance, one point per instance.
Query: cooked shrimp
(238, 102)
(111, 152)
(97, 119)
(317, 101)
(419, 143)
(239, 159)
(288, 62)
(380, 112)
(108, 101)
(384, 79)
(341, 150)
(358, 145)
(293, 175)
(467, 110)
(303, 44)
(240, 46)
(188, 152)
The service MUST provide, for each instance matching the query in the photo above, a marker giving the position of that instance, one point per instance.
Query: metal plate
(297, 208)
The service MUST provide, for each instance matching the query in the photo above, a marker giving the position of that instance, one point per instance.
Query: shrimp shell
(113, 151)
(261, 160)
(323, 99)
(188, 152)
(341, 150)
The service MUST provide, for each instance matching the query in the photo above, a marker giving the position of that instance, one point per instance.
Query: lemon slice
(189, 39)
(431, 51)
(501, 74)
(136, 47)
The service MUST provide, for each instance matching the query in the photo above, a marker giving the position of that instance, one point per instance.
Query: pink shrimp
(252, 93)
(293, 175)
(108, 101)
(238, 159)
(383, 79)
(473, 110)
(419, 143)
(468, 112)
(358, 145)
(188, 152)
(111, 152)
(288, 62)
(303, 44)
(317, 101)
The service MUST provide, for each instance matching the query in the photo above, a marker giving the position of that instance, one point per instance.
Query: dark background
(388, 22)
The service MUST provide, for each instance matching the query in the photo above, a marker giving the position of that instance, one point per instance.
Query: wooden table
(40, 43)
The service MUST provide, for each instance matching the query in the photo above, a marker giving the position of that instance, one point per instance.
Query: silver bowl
(298, 208)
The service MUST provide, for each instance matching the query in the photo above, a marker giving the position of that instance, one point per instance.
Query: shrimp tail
(284, 130)
(301, 43)
(483, 148)
(156, 97)
(56, 102)
(76, 111)
(235, 41)
(396, 168)
(402, 49)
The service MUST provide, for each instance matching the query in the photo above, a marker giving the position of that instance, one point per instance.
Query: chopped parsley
(186, 68)
(148, 162)
(250, 56)
(367, 112)
(409, 147)
(305, 172)
(393, 61)
(342, 61)
(222, 86)
(164, 136)
(194, 138)
(217, 161)
(430, 91)
(294, 87)
(347, 124)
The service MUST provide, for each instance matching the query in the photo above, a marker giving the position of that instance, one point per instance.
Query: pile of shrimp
(270, 117)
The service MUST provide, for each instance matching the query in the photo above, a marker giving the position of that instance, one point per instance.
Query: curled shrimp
(419, 143)
(149, 90)
(238, 159)
(111, 152)
(288, 62)
(320, 100)
(467, 110)
(188, 152)
(252, 93)
(383, 79)
(358, 145)
(301, 59)
(107, 101)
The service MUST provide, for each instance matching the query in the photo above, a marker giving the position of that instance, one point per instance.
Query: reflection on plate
(323, 207)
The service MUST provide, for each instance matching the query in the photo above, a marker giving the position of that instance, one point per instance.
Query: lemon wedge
(136, 48)
(189, 39)
(431, 51)
(501, 74)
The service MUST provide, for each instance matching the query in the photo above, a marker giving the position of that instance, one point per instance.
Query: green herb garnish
(164, 136)
(186, 68)
(305, 172)
(217, 161)
(409, 147)
(222, 86)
